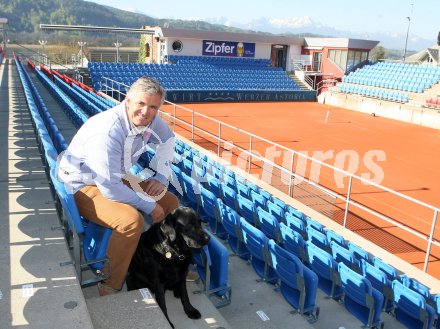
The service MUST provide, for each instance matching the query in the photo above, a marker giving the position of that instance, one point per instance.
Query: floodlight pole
(117, 45)
(81, 44)
(407, 34)
(42, 44)
(406, 40)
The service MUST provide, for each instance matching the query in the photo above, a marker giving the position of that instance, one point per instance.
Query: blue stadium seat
(358, 253)
(176, 186)
(268, 224)
(323, 264)
(341, 254)
(295, 212)
(389, 270)
(314, 224)
(298, 284)
(296, 224)
(207, 204)
(276, 210)
(87, 238)
(318, 238)
(333, 236)
(230, 220)
(360, 298)
(214, 185)
(191, 190)
(257, 243)
(436, 300)
(380, 282)
(243, 190)
(212, 266)
(246, 209)
(258, 199)
(229, 196)
(411, 308)
(415, 285)
(293, 242)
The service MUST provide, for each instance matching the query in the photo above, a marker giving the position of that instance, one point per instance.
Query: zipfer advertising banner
(228, 48)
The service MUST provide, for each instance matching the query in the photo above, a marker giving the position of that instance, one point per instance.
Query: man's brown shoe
(105, 290)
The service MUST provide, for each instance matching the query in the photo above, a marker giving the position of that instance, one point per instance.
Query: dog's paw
(193, 313)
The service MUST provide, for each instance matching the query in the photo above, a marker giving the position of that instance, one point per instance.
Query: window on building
(339, 57)
(355, 57)
(147, 50)
(364, 56)
(177, 46)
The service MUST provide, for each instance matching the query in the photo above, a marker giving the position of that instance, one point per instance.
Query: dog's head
(185, 223)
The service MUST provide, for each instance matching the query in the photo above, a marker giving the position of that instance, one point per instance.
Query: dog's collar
(167, 251)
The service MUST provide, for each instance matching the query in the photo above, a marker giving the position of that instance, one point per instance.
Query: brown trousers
(126, 222)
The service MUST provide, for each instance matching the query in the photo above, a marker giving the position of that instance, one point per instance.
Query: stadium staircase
(87, 79)
(298, 81)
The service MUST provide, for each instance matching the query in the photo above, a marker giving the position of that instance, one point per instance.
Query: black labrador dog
(163, 255)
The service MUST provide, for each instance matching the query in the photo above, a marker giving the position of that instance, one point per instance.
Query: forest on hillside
(26, 16)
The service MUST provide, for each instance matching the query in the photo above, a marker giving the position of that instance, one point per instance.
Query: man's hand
(157, 215)
(153, 187)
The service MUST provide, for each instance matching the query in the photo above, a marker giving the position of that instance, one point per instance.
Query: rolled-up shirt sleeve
(104, 155)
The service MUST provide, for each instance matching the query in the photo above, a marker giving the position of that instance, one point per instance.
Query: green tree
(377, 54)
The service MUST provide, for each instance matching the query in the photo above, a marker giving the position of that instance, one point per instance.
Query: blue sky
(357, 16)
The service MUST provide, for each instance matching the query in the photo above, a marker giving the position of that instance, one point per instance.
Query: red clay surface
(348, 139)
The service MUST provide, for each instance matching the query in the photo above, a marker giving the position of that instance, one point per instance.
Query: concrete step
(126, 310)
(35, 290)
(298, 81)
(130, 309)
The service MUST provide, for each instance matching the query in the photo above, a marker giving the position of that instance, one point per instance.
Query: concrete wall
(392, 110)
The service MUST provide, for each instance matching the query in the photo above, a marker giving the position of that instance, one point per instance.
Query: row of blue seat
(179, 84)
(89, 107)
(219, 60)
(78, 232)
(184, 69)
(384, 94)
(407, 77)
(101, 102)
(199, 77)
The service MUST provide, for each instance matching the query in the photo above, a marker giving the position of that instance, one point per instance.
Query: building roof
(232, 36)
(341, 43)
(425, 55)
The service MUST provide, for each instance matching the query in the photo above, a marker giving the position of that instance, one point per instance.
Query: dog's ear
(168, 231)
(168, 224)
(186, 216)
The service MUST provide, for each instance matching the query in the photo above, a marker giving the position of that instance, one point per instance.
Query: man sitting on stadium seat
(96, 165)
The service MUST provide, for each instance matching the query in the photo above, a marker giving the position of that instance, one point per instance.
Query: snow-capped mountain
(305, 24)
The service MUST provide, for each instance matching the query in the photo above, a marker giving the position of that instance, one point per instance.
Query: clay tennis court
(400, 156)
